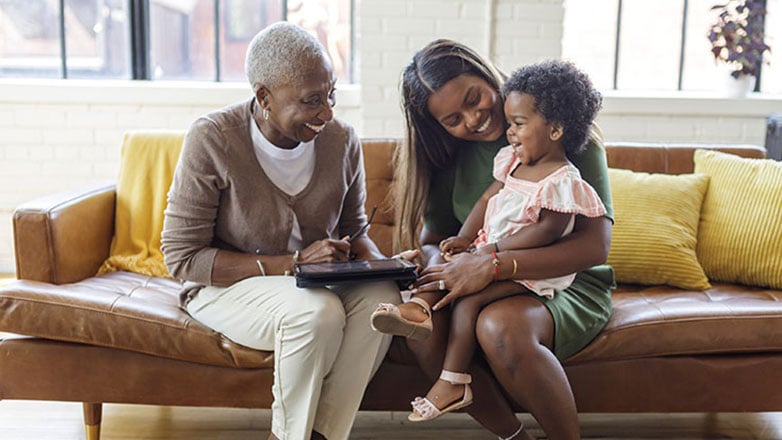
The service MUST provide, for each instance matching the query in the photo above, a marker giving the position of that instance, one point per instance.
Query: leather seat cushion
(664, 321)
(142, 314)
(120, 310)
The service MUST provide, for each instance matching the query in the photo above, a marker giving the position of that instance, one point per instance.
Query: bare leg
(462, 341)
(516, 335)
(489, 408)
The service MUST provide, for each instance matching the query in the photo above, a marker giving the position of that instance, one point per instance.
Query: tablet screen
(353, 267)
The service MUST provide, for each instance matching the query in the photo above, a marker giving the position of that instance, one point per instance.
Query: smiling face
(300, 110)
(468, 108)
(533, 139)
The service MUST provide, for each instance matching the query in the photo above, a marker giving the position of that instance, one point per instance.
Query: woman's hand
(408, 255)
(464, 275)
(430, 251)
(325, 251)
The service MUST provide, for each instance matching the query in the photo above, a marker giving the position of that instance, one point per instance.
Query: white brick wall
(686, 118)
(388, 38)
(61, 135)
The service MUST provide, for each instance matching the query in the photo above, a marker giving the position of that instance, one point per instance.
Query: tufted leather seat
(722, 320)
(127, 311)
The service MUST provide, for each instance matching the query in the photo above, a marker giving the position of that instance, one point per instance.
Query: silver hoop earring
(265, 114)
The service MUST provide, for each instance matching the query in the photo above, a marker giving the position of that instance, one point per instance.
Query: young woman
(533, 202)
(455, 127)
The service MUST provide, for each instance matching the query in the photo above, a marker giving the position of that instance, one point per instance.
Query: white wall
(57, 135)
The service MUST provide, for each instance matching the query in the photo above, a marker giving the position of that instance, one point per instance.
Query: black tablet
(354, 271)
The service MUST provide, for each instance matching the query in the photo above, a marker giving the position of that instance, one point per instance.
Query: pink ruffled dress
(519, 202)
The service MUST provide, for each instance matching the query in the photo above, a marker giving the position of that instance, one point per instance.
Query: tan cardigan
(221, 198)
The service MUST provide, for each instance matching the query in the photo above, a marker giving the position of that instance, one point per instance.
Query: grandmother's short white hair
(278, 54)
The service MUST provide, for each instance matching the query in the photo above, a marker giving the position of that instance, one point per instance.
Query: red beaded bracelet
(496, 262)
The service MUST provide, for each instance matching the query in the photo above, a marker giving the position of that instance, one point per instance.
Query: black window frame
(685, 9)
(139, 28)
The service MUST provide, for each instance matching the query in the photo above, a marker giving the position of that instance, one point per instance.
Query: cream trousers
(325, 351)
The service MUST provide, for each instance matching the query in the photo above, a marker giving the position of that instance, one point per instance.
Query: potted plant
(738, 38)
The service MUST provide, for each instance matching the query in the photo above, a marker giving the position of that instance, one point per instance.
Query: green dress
(581, 310)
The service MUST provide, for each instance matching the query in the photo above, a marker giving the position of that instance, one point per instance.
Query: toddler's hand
(454, 245)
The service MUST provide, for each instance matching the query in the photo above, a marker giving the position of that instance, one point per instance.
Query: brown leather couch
(122, 337)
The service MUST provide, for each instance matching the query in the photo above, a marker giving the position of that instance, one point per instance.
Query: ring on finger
(441, 285)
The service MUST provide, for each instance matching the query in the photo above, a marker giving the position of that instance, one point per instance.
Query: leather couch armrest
(64, 237)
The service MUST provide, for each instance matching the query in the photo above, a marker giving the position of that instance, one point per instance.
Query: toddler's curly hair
(563, 94)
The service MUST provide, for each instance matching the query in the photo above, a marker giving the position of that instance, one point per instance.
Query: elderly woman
(261, 185)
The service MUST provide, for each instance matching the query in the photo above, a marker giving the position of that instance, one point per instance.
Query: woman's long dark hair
(427, 145)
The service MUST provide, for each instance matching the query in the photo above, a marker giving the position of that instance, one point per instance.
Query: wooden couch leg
(92, 417)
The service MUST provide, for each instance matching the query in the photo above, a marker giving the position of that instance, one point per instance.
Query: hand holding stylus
(362, 230)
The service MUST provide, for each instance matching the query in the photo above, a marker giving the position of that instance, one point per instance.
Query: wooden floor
(34, 420)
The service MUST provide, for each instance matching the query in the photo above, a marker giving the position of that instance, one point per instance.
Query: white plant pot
(740, 87)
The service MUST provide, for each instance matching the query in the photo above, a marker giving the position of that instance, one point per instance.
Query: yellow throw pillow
(656, 226)
(148, 160)
(740, 234)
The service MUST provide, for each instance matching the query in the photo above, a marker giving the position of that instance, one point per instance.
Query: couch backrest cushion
(740, 233)
(378, 161)
(668, 158)
(148, 160)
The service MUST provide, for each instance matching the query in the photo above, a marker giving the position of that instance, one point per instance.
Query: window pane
(701, 71)
(182, 36)
(96, 38)
(30, 38)
(589, 38)
(649, 45)
(771, 74)
(330, 21)
(241, 20)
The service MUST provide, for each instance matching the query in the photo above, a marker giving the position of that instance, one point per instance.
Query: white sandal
(388, 319)
(424, 409)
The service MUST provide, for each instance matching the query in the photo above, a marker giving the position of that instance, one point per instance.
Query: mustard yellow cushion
(148, 160)
(656, 225)
(740, 234)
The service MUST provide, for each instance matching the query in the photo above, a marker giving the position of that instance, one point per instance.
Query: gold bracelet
(515, 268)
(290, 271)
(260, 267)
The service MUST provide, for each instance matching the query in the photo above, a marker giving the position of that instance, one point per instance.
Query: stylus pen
(366, 225)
